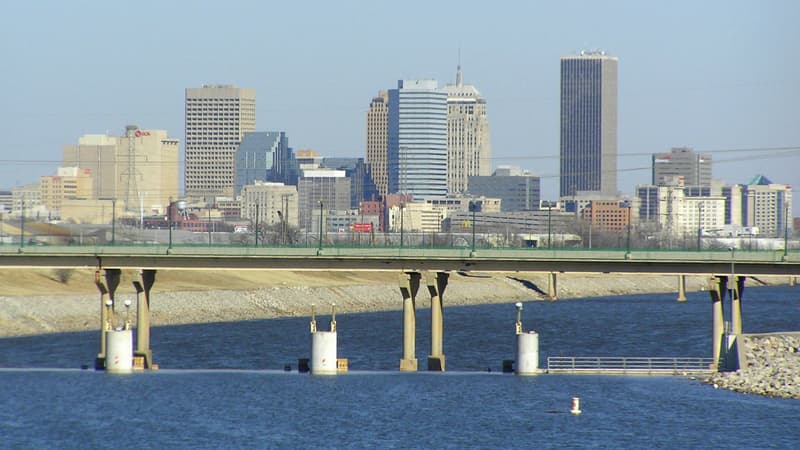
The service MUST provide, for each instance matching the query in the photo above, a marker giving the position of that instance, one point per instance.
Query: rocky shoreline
(770, 367)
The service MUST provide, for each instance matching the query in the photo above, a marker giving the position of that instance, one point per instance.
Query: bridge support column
(148, 277)
(409, 285)
(552, 286)
(717, 287)
(681, 288)
(737, 289)
(437, 282)
(107, 290)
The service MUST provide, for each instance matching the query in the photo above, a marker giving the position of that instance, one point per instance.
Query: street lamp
(257, 224)
(280, 217)
(22, 225)
(785, 230)
(319, 249)
(627, 204)
(402, 213)
(208, 225)
(699, 226)
(549, 206)
(113, 220)
(169, 224)
(473, 207)
(733, 272)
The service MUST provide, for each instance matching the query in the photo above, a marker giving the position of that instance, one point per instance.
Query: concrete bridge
(726, 269)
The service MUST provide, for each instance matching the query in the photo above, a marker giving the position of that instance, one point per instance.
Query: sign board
(361, 227)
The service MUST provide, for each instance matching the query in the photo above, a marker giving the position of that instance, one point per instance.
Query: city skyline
(714, 77)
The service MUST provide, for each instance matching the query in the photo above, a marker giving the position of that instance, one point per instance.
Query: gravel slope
(280, 294)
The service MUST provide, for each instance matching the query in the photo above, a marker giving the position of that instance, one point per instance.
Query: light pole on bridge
(319, 248)
(473, 207)
(549, 205)
(627, 204)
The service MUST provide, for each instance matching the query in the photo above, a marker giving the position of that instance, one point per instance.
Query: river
(223, 384)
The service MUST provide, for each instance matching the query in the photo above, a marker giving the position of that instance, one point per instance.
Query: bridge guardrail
(632, 365)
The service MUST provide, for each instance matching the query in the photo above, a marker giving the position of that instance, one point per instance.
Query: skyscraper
(469, 151)
(417, 139)
(683, 162)
(265, 156)
(767, 206)
(588, 123)
(217, 116)
(377, 140)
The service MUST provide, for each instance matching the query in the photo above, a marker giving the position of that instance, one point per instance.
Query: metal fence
(628, 365)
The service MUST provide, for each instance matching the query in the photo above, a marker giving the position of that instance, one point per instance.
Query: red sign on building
(362, 227)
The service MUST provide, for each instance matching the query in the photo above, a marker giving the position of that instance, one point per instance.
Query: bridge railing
(606, 364)
(401, 252)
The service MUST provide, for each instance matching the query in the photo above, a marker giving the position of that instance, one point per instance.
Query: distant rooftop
(759, 180)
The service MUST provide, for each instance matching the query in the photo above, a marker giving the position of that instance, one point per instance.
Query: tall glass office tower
(588, 123)
(417, 139)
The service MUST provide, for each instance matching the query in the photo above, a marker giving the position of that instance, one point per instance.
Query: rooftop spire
(459, 77)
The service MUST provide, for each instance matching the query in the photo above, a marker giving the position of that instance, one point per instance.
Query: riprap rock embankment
(771, 367)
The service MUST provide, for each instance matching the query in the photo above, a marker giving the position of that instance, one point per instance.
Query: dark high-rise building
(262, 156)
(588, 123)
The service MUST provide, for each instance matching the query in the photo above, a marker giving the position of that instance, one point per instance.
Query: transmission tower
(130, 174)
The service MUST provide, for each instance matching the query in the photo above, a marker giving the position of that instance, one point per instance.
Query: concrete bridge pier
(681, 288)
(107, 290)
(409, 285)
(737, 291)
(437, 282)
(717, 287)
(552, 286)
(148, 278)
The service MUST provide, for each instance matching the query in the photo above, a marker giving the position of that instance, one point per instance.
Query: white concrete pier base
(528, 353)
(119, 351)
(323, 353)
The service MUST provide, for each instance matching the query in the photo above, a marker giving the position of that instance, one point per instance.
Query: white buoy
(323, 353)
(119, 351)
(576, 406)
(528, 353)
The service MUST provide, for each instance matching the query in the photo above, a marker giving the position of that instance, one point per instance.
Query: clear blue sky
(713, 75)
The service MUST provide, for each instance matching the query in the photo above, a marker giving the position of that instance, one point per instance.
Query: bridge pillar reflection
(107, 290)
(409, 285)
(437, 282)
(148, 277)
(552, 286)
(681, 288)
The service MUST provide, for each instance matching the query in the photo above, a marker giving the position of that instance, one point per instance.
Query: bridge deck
(399, 259)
